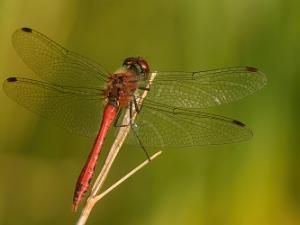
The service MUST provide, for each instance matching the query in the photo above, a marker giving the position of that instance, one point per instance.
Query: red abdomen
(87, 172)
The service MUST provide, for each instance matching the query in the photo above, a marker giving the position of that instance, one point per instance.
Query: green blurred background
(251, 183)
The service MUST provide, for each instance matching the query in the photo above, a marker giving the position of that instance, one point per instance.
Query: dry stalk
(116, 146)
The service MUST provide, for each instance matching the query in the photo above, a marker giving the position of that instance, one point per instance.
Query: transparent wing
(160, 126)
(55, 64)
(205, 89)
(79, 110)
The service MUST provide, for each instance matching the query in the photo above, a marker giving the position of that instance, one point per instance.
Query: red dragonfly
(75, 92)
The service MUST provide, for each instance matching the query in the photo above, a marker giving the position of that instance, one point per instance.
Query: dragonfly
(80, 95)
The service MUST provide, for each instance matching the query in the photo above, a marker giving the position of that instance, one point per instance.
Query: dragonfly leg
(140, 143)
(117, 120)
(133, 125)
(136, 106)
(144, 88)
(130, 111)
(130, 117)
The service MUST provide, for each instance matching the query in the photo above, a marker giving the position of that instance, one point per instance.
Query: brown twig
(122, 134)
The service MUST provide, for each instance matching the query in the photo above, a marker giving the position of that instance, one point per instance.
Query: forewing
(164, 127)
(79, 110)
(55, 64)
(205, 89)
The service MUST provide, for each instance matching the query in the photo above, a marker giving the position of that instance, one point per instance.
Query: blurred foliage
(256, 182)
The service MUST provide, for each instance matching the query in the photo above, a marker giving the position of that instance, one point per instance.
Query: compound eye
(144, 65)
(129, 61)
(139, 64)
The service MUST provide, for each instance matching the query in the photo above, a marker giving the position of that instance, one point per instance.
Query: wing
(161, 126)
(56, 64)
(205, 89)
(79, 110)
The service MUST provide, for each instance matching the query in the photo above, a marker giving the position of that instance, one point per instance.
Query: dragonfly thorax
(121, 87)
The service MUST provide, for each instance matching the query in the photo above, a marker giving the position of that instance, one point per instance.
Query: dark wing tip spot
(251, 69)
(11, 79)
(26, 29)
(238, 123)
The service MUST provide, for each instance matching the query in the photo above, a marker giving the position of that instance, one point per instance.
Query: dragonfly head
(138, 64)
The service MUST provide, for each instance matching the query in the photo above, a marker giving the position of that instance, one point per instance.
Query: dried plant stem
(93, 200)
(122, 134)
(112, 187)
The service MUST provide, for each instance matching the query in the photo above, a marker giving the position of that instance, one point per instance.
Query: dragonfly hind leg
(132, 124)
(130, 117)
(140, 143)
(116, 124)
